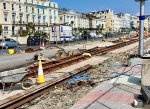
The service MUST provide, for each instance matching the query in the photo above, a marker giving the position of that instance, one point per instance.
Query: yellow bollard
(11, 51)
(86, 54)
(41, 78)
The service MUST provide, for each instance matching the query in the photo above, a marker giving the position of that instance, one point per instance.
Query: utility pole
(141, 30)
(2, 40)
(148, 25)
(55, 33)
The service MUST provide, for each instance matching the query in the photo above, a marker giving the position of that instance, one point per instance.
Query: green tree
(71, 23)
(100, 28)
(30, 27)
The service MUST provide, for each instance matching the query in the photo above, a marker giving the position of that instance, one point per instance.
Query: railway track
(52, 66)
(49, 67)
(21, 98)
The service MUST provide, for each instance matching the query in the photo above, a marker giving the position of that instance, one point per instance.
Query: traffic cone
(40, 78)
(42, 46)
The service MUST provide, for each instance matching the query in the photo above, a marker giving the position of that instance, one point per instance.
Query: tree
(81, 30)
(133, 28)
(100, 28)
(71, 23)
(30, 27)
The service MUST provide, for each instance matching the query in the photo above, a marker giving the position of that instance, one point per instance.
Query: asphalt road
(8, 62)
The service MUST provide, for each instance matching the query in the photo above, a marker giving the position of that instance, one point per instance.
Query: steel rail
(19, 99)
(51, 66)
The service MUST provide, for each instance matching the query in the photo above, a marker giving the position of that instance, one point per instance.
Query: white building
(125, 20)
(113, 22)
(83, 21)
(68, 17)
(75, 19)
(106, 16)
(134, 21)
(15, 14)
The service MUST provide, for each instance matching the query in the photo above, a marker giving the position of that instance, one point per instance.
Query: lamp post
(141, 34)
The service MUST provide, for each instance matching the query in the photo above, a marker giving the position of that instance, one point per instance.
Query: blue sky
(129, 6)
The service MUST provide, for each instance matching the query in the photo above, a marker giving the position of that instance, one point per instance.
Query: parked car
(8, 43)
(108, 34)
(99, 36)
(86, 35)
(77, 37)
(33, 40)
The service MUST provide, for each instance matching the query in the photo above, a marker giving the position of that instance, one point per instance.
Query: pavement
(117, 93)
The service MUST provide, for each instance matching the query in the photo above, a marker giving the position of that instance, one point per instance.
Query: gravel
(62, 97)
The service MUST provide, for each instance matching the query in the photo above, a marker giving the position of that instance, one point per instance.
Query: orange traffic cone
(42, 46)
(40, 78)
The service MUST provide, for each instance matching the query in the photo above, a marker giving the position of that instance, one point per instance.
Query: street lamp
(141, 34)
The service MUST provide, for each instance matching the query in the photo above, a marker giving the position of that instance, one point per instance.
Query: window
(21, 28)
(54, 5)
(13, 30)
(26, 9)
(49, 4)
(13, 18)
(6, 39)
(32, 9)
(19, 0)
(20, 16)
(19, 7)
(54, 12)
(60, 18)
(4, 5)
(43, 11)
(5, 16)
(27, 18)
(32, 1)
(5, 29)
(12, 6)
(38, 11)
(33, 19)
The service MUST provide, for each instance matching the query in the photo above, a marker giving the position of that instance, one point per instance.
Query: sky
(127, 6)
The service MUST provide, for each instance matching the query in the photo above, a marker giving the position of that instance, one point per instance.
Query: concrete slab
(146, 74)
(113, 94)
(130, 80)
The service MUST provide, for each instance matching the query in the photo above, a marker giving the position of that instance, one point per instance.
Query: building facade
(68, 17)
(106, 15)
(113, 22)
(83, 21)
(16, 14)
(74, 19)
